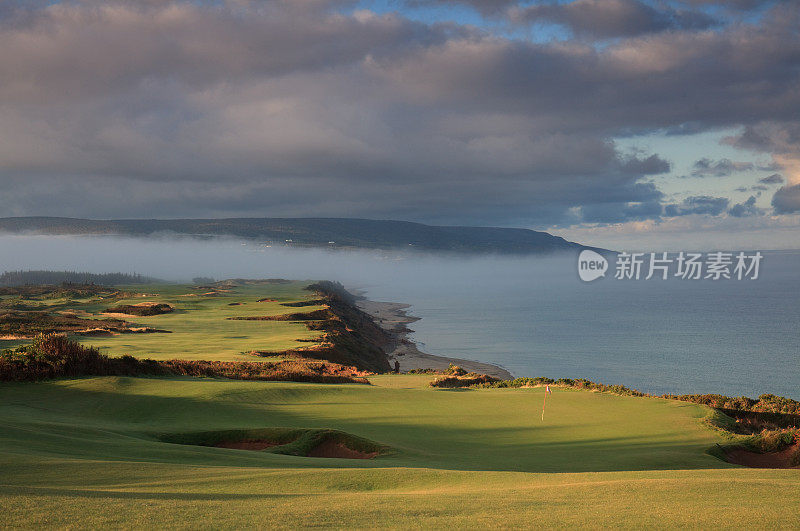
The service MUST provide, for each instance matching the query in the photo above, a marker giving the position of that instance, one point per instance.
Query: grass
(199, 325)
(87, 453)
(56, 356)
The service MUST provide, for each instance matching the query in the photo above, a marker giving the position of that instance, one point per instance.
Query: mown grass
(201, 326)
(86, 453)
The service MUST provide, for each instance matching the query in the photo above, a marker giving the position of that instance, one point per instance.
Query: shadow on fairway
(121, 419)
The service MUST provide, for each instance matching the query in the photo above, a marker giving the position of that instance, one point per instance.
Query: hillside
(344, 232)
(100, 452)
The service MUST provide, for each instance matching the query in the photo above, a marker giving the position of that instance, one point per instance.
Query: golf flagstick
(546, 392)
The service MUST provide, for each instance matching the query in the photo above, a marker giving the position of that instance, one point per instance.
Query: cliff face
(352, 337)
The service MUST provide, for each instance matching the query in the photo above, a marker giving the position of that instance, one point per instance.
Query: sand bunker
(782, 459)
(329, 448)
(115, 331)
(338, 450)
(247, 445)
(299, 442)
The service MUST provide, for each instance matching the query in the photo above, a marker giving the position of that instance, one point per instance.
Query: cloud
(782, 140)
(746, 208)
(685, 233)
(701, 204)
(612, 18)
(787, 199)
(621, 212)
(317, 108)
(489, 8)
(652, 165)
(722, 168)
(741, 5)
(771, 179)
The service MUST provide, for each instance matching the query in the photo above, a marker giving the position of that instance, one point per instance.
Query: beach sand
(391, 316)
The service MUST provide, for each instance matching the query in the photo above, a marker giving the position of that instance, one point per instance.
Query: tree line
(23, 278)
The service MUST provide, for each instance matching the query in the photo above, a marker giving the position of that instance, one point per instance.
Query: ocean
(537, 318)
(532, 316)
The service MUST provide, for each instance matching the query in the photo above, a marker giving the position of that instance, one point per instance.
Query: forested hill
(338, 232)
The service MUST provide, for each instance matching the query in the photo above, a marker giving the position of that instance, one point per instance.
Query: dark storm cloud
(701, 204)
(305, 108)
(612, 18)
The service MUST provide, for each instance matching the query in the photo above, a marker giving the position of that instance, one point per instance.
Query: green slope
(86, 452)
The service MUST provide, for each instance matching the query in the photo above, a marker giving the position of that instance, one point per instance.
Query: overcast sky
(606, 121)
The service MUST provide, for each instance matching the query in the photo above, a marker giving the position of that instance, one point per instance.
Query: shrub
(142, 310)
(468, 380)
(773, 440)
(455, 370)
(55, 356)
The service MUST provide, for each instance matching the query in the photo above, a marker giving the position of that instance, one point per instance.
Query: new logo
(591, 265)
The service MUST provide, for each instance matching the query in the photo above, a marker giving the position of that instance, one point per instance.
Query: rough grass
(56, 356)
(83, 453)
(30, 323)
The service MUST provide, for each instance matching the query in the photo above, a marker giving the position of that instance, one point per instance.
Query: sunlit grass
(199, 328)
(86, 452)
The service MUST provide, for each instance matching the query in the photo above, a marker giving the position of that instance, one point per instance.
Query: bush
(764, 404)
(455, 370)
(580, 383)
(773, 440)
(142, 310)
(55, 356)
(468, 380)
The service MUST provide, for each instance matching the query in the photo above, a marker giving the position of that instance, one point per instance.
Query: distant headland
(312, 232)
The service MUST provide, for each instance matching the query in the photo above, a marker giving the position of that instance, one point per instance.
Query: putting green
(86, 452)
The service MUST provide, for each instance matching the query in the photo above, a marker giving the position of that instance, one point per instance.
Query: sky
(618, 123)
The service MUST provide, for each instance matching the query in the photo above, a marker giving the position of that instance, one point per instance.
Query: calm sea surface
(533, 316)
(539, 319)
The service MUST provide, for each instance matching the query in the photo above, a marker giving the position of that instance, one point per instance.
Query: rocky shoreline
(392, 317)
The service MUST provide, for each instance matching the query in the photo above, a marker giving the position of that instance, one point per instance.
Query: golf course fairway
(89, 452)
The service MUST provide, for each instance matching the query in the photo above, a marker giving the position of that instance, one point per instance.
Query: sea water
(537, 318)
(532, 316)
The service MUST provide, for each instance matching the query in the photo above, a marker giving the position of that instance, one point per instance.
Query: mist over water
(532, 316)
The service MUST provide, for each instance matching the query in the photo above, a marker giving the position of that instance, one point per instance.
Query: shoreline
(392, 317)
